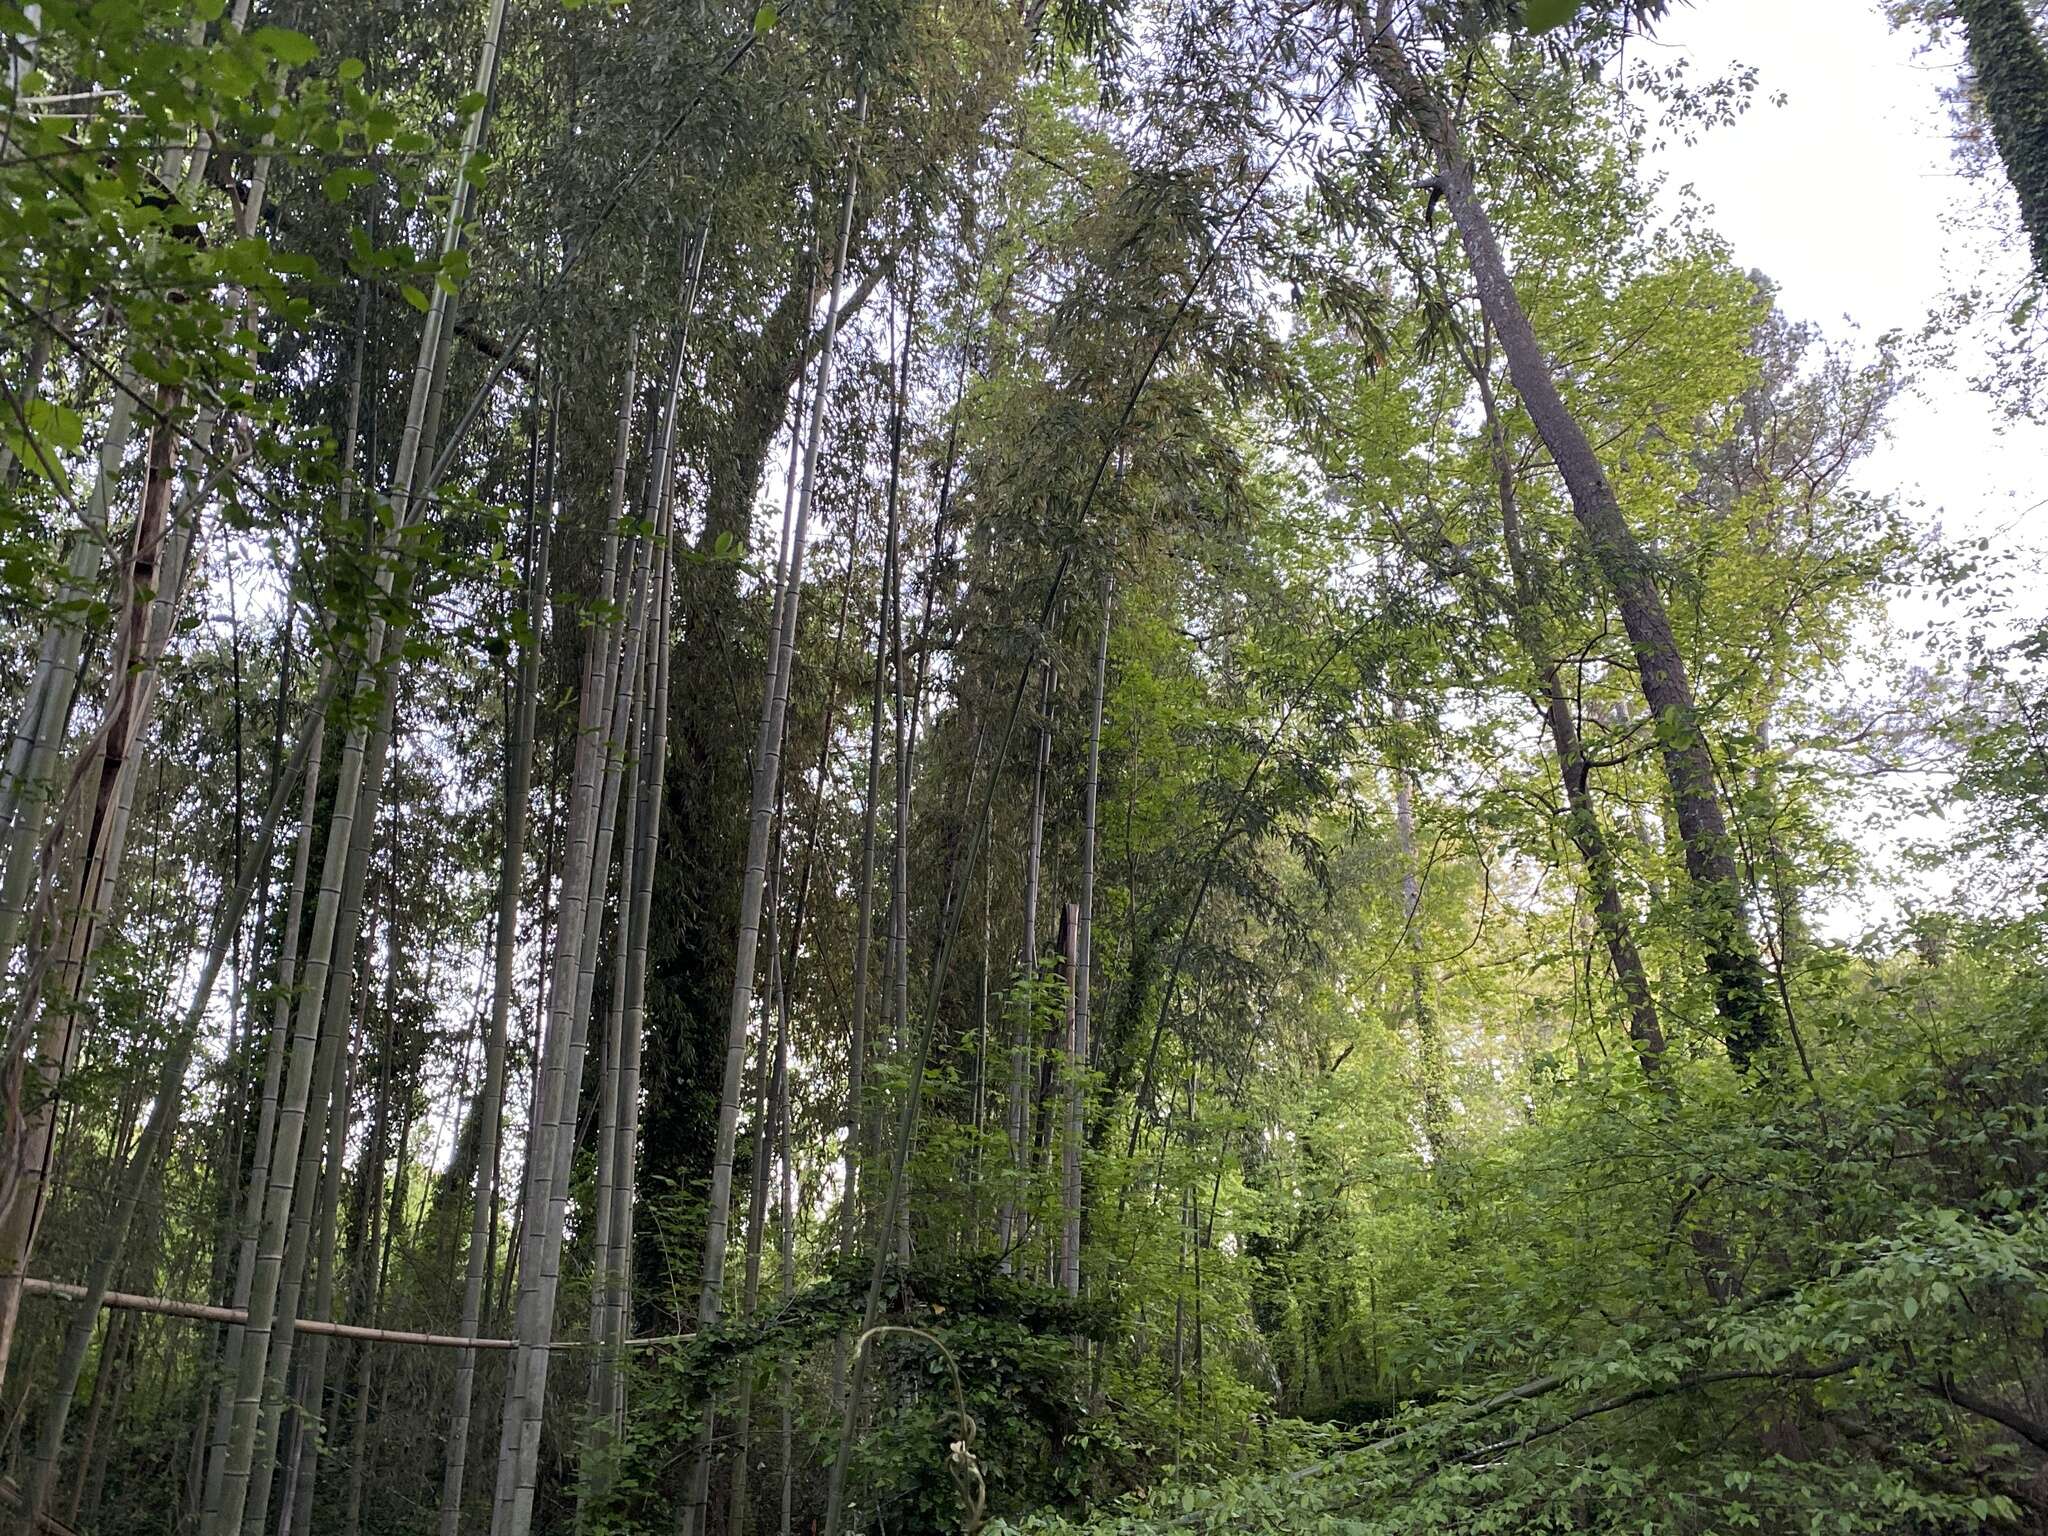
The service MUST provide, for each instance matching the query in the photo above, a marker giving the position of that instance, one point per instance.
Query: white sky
(1846, 196)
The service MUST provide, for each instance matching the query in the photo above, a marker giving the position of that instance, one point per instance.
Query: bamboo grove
(895, 766)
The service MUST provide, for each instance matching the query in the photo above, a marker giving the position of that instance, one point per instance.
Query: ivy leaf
(1542, 15)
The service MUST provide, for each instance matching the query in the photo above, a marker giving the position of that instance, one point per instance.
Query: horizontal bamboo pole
(198, 1311)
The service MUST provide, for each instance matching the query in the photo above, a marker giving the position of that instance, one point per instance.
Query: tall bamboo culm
(767, 776)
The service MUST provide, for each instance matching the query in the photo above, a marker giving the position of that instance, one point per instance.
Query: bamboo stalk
(239, 1454)
(168, 1100)
(1077, 1064)
(491, 1102)
(767, 773)
(552, 1129)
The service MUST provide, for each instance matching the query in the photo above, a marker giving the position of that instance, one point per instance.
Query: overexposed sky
(1847, 196)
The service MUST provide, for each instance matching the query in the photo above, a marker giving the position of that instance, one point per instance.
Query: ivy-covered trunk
(2010, 63)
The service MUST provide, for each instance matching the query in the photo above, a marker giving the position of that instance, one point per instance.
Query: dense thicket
(884, 766)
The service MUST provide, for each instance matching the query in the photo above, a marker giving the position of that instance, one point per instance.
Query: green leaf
(1542, 15)
(765, 19)
(285, 45)
(337, 185)
(349, 69)
(414, 297)
(209, 10)
(53, 428)
(56, 423)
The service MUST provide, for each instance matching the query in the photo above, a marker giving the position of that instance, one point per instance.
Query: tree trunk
(1582, 818)
(2011, 68)
(1740, 992)
(767, 776)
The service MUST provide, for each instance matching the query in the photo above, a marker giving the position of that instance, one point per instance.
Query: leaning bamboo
(169, 1098)
(251, 1220)
(240, 1451)
(292, 1195)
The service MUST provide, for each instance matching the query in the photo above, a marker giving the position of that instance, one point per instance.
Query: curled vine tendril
(961, 1464)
